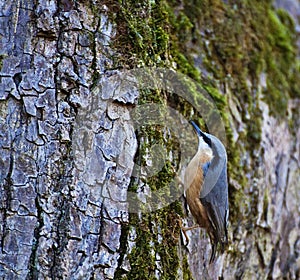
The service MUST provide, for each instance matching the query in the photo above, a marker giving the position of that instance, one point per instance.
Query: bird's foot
(185, 229)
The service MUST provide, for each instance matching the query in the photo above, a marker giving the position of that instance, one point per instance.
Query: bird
(206, 187)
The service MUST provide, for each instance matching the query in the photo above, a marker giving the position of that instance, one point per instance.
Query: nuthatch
(207, 188)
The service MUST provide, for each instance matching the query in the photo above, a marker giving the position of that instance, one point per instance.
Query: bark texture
(68, 144)
(56, 222)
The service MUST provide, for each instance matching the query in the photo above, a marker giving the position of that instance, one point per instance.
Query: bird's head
(202, 134)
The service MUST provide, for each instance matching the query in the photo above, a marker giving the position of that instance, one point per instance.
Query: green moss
(280, 35)
(156, 237)
(143, 36)
(280, 65)
(142, 256)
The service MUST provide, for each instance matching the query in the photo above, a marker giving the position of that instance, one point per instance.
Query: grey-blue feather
(216, 205)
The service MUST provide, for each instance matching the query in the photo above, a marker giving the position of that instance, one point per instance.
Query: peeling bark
(56, 223)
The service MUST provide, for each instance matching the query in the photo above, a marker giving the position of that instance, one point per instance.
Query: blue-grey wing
(216, 205)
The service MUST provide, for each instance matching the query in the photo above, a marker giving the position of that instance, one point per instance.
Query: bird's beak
(197, 129)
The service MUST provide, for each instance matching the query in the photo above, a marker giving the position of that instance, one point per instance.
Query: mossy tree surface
(238, 52)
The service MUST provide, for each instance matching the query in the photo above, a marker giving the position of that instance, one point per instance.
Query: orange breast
(194, 188)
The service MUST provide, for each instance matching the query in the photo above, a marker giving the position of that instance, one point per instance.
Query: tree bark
(80, 152)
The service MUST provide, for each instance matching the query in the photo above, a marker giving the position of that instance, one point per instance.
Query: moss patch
(156, 251)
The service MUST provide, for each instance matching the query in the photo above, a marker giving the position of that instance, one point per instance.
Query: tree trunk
(95, 99)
